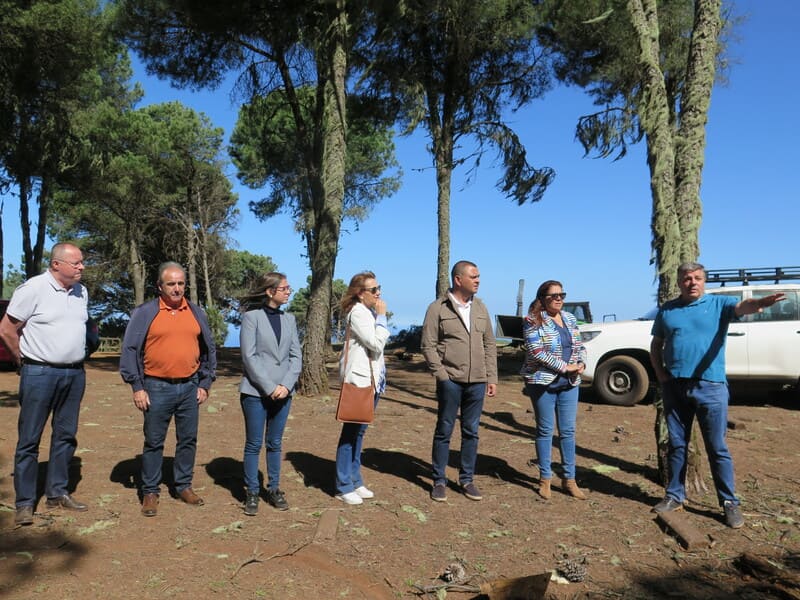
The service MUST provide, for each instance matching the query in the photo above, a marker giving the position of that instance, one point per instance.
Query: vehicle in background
(510, 326)
(762, 348)
(6, 360)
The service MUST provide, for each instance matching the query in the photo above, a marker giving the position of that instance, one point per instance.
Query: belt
(39, 363)
(173, 379)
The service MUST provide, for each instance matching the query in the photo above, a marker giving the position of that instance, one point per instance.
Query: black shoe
(439, 492)
(277, 499)
(24, 515)
(251, 504)
(66, 501)
(733, 515)
(668, 504)
(471, 491)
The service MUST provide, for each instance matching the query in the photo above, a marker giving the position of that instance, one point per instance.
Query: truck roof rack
(745, 276)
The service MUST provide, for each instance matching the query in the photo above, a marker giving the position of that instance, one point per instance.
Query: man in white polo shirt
(44, 328)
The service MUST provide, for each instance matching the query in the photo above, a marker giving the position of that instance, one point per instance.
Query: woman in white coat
(366, 317)
(271, 357)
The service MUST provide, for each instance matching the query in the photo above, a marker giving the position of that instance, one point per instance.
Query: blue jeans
(451, 396)
(348, 456)
(168, 400)
(683, 399)
(555, 407)
(264, 422)
(42, 391)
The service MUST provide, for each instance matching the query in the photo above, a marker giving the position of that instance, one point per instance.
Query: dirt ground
(389, 546)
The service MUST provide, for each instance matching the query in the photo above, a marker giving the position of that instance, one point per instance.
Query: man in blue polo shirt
(44, 328)
(688, 357)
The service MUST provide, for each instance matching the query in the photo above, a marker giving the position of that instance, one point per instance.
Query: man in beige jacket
(459, 346)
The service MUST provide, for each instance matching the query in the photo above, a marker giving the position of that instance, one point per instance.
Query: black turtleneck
(274, 316)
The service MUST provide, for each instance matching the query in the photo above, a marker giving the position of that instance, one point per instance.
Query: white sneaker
(365, 492)
(350, 498)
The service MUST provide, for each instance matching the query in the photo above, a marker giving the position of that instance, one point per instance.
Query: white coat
(368, 336)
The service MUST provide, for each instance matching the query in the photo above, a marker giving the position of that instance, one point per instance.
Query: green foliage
(56, 59)
(241, 269)
(267, 149)
(298, 306)
(12, 279)
(216, 320)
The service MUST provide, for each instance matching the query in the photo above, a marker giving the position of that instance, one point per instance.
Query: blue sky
(600, 209)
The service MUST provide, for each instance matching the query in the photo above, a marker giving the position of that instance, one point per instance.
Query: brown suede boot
(569, 486)
(544, 488)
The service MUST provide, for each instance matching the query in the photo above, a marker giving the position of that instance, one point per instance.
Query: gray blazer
(268, 364)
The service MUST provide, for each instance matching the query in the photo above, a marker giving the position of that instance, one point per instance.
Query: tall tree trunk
(441, 123)
(25, 224)
(690, 141)
(653, 110)
(41, 224)
(191, 261)
(328, 200)
(138, 270)
(444, 174)
(676, 162)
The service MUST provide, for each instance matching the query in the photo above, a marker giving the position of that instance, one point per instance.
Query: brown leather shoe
(190, 497)
(150, 505)
(66, 501)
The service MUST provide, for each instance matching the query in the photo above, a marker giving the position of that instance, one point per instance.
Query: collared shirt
(54, 317)
(172, 347)
(694, 335)
(463, 309)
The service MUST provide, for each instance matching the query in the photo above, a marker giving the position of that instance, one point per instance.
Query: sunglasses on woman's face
(559, 296)
(373, 290)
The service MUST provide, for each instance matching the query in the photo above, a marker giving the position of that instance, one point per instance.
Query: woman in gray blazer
(271, 357)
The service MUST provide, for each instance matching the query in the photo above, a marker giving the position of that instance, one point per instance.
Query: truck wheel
(622, 381)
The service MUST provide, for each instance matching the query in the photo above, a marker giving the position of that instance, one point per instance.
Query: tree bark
(691, 137)
(328, 199)
(137, 270)
(654, 116)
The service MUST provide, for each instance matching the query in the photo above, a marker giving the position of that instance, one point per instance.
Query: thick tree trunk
(654, 115)
(691, 138)
(676, 162)
(328, 200)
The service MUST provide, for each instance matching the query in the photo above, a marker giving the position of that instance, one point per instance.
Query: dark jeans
(348, 456)
(264, 422)
(168, 400)
(42, 391)
(683, 399)
(452, 396)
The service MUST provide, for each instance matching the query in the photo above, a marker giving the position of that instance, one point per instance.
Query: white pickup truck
(762, 348)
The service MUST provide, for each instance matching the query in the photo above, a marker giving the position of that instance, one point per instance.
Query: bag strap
(345, 352)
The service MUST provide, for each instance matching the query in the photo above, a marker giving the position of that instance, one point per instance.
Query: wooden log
(531, 587)
(787, 582)
(327, 526)
(688, 535)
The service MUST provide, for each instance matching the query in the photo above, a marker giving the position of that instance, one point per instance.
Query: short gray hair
(689, 267)
(170, 264)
